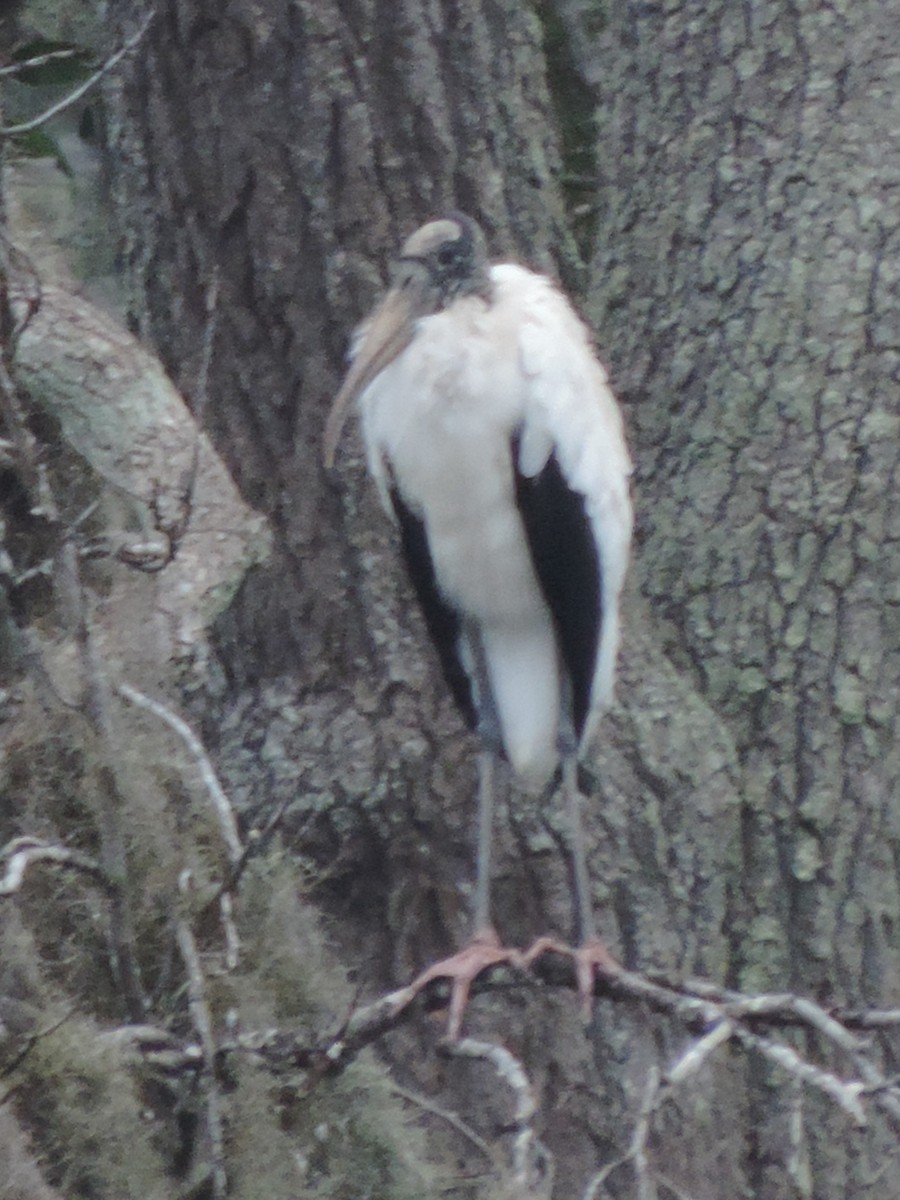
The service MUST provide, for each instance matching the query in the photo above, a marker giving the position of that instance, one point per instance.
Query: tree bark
(746, 289)
(740, 235)
(758, 200)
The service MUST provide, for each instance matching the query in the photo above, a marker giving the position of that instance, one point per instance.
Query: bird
(498, 450)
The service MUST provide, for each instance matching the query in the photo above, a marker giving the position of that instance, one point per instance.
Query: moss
(20, 1175)
(349, 1138)
(286, 973)
(76, 1094)
(575, 105)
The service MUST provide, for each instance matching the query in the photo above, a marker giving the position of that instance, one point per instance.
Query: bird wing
(567, 564)
(442, 620)
(572, 468)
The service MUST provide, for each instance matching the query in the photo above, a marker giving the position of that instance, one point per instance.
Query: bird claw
(591, 959)
(462, 969)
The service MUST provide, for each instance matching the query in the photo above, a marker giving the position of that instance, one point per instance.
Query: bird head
(439, 263)
(442, 260)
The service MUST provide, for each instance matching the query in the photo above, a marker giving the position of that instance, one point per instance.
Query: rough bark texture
(750, 290)
(746, 276)
(741, 284)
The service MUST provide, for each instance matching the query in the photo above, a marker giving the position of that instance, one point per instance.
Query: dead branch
(220, 802)
(23, 852)
(75, 95)
(39, 60)
(636, 1153)
(847, 1095)
(737, 1018)
(109, 798)
(426, 1104)
(202, 1021)
(531, 1162)
(29, 1043)
(754, 1023)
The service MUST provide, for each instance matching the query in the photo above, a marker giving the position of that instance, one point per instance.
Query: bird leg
(584, 908)
(487, 782)
(462, 969)
(484, 949)
(591, 955)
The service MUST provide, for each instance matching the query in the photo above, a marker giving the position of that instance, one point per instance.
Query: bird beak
(387, 333)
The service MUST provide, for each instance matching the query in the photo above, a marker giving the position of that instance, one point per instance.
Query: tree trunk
(738, 274)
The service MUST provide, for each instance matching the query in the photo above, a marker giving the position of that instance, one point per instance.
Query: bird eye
(448, 254)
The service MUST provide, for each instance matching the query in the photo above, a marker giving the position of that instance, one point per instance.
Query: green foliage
(37, 143)
(68, 65)
(575, 104)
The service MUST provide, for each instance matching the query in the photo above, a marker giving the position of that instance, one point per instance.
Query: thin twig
(40, 60)
(874, 1018)
(527, 1151)
(74, 96)
(845, 1094)
(23, 852)
(31, 1041)
(202, 1021)
(109, 799)
(232, 939)
(636, 1151)
(221, 803)
(209, 340)
(797, 1159)
(256, 843)
(698, 1052)
(455, 1122)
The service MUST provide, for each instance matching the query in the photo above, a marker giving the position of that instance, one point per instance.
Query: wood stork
(498, 448)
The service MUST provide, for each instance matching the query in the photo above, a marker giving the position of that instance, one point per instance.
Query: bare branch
(209, 340)
(30, 1042)
(797, 1162)
(221, 803)
(202, 1021)
(74, 96)
(23, 852)
(637, 1150)
(698, 1052)
(529, 1157)
(451, 1118)
(845, 1094)
(875, 1018)
(232, 940)
(40, 60)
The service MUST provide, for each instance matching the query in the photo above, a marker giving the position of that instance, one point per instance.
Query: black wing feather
(567, 563)
(441, 619)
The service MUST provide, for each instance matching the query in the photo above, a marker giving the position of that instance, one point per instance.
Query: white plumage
(438, 423)
(498, 447)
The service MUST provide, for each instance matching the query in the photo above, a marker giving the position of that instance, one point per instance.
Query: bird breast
(440, 419)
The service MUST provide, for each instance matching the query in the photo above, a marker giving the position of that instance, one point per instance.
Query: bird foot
(462, 969)
(591, 959)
